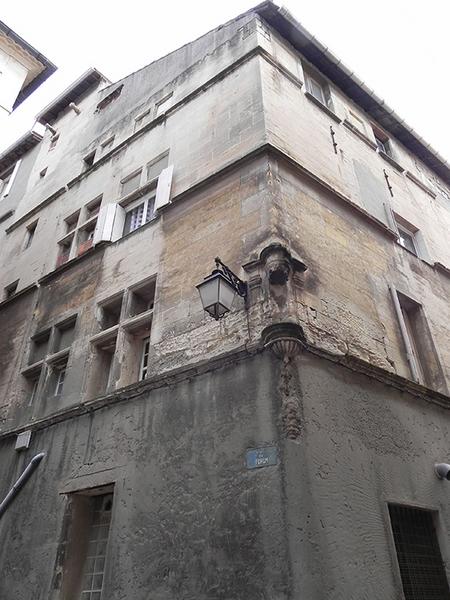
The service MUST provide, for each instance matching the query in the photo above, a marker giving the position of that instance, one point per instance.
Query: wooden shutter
(164, 187)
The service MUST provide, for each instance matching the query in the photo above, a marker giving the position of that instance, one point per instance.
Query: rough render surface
(190, 521)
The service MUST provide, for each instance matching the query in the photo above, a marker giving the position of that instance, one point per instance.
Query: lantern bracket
(239, 285)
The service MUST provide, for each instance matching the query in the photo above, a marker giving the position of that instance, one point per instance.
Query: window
(316, 89)
(31, 229)
(382, 140)
(53, 141)
(144, 360)
(101, 376)
(86, 237)
(406, 239)
(43, 173)
(65, 247)
(142, 119)
(59, 376)
(139, 213)
(109, 98)
(93, 207)
(421, 354)
(71, 222)
(5, 180)
(88, 160)
(86, 543)
(142, 298)
(10, 290)
(164, 104)
(107, 145)
(109, 311)
(418, 554)
(33, 390)
(39, 346)
(64, 334)
(356, 122)
(130, 183)
(155, 166)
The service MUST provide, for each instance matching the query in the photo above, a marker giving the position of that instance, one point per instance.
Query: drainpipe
(32, 466)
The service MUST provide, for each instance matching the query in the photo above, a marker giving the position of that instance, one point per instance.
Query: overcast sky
(399, 48)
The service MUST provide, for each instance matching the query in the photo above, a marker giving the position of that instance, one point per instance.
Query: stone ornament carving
(286, 341)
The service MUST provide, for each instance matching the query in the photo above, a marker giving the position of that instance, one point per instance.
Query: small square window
(318, 87)
(53, 141)
(5, 179)
(72, 221)
(64, 251)
(109, 311)
(109, 98)
(64, 334)
(88, 160)
(155, 166)
(357, 122)
(130, 183)
(382, 140)
(164, 104)
(11, 289)
(107, 145)
(39, 346)
(93, 207)
(142, 119)
(142, 298)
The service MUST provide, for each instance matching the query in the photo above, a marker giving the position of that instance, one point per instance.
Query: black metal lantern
(218, 290)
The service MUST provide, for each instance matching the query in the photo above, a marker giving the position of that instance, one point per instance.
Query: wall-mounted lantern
(218, 290)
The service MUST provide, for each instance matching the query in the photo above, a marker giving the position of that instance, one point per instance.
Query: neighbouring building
(285, 451)
(22, 70)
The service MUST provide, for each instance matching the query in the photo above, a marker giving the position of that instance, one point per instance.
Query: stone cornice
(186, 373)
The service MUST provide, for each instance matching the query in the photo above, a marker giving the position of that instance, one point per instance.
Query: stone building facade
(282, 451)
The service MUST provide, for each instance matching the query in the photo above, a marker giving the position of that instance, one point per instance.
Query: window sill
(139, 321)
(323, 107)
(390, 160)
(58, 357)
(422, 186)
(362, 136)
(33, 368)
(104, 336)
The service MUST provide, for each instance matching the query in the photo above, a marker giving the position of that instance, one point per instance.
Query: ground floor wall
(193, 519)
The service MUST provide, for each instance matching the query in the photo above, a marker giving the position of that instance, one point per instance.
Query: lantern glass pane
(227, 294)
(209, 291)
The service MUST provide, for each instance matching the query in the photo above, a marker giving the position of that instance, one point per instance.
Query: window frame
(144, 201)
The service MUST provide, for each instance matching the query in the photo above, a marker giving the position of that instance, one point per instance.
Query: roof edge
(288, 27)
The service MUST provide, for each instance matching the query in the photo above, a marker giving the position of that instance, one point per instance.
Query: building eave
(79, 87)
(20, 147)
(326, 62)
(48, 68)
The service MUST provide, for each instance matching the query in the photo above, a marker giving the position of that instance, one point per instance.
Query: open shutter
(110, 223)
(422, 249)
(118, 223)
(11, 179)
(104, 225)
(164, 187)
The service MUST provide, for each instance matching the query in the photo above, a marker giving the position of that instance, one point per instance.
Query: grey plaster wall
(190, 521)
